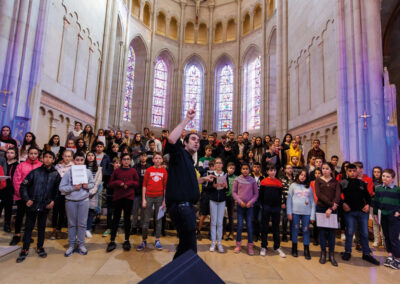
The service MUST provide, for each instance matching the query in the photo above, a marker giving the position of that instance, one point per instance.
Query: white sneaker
(280, 252)
(375, 244)
(212, 247)
(343, 237)
(220, 248)
(88, 234)
(263, 252)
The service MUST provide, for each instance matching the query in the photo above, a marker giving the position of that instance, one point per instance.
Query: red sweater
(155, 181)
(370, 184)
(128, 177)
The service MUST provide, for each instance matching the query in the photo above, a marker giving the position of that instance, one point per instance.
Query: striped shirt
(387, 199)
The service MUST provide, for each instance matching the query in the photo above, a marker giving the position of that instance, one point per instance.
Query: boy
(318, 165)
(335, 162)
(38, 192)
(356, 204)
(137, 202)
(286, 180)
(230, 202)
(103, 161)
(116, 163)
(153, 197)
(256, 174)
(272, 202)
(203, 161)
(387, 200)
(295, 162)
(204, 199)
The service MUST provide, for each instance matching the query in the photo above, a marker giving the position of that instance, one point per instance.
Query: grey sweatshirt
(68, 189)
(300, 200)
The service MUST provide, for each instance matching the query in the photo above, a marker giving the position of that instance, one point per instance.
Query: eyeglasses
(126, 159)
(218, 162)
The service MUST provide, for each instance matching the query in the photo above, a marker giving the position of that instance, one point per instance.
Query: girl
(91, 164)
(29, 141)
(58, 217)
(137, 147)
(110, 140)
(300, 206)
(245, 193)
(258, 150)
(327, 190)
(342, 174)
(54, 146)
(74, 134)
(76, 206)
(285, 146)
(6, 141)
(99, 138)
(88, 136)
(118, 138)
(250, 158)
(123, 181)
(6, 194)
(318, 174)
(81, 146)
(377, 179)
(217, 198)
(267, 142)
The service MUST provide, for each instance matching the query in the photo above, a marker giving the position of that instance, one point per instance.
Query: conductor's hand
(191, 113)
(209, 178)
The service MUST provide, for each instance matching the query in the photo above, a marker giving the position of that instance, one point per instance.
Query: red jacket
(3, 183)
(21, 172)
(126, 176)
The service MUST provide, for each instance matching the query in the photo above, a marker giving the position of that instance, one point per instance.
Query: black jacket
(355, 193)
(215, 194)
(9, 171)
(40, 186)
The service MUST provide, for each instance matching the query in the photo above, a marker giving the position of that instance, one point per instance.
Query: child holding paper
(327, 190)
(153, 197)
(76, 205)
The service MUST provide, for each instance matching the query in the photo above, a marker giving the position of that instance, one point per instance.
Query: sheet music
(323, 221)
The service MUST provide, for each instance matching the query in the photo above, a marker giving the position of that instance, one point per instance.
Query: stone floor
(131, 267)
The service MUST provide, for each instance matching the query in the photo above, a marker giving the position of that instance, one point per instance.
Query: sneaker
(395, 264)
(88, 234)
(41, 252)
(126, 245)
(158, 245)
(69, 251)
(342, 236)
(15, 240)
(238, 247)
(346, 256)
(263, 252)
(280, 252)
(375, 244)
(212, 247)
(388, 261)
(107, 233)
(22, 255)
(142, 246)
(250, 249)
(111, 246)
(82, 250)
(370, 258)
(220, 248)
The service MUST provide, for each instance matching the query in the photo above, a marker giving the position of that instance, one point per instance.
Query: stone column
(237, 106)
(265, 90)
(208, 105)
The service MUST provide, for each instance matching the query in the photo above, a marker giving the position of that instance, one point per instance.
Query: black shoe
(371, 259)
(346, 256)
(134, 231)
(316, 243)
(294, 250)
(140, 231)
(256, 238)
(126, 246)
(41, 252)
(198, 234)
(332, 258)
(22, 255)
(32, 241)
(15, 240)
(307, 254)
(322, 259)
(284, 238)
(7, 228)
(358, 247)
(111, 246)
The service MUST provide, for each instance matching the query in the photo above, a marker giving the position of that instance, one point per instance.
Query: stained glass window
(130, 78)
(254, 94)
(225, 98)
(159, 94)
(193, 92)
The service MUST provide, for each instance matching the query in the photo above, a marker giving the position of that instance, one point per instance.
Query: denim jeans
(248, 214)
(361, 218)
(326, 234)
(305, 222)
(217, 210)
(137, 206)
(90, 219)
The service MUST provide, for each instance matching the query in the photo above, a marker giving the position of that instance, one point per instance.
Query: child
(217, 196)
(91, 164)
(38, 191)
(318, 174)
(245, 193)
(296, 168)
(300, 206)
(116, 163)
(59, 204)
(205, 199)
(287, 179)
(230, 202)
(22, 170)
(8, 192)
(123, 181)
(377, 180)
(153, 197)
(203, 161)
(257, 175)
(387, 199)
(76, 206)
(272, 202)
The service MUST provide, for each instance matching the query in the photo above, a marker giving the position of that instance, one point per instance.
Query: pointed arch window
(159, 93)
(129, 85)
(253, 96)
(225, 97)
(193, 92)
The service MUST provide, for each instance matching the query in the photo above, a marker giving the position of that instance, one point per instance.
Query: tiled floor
(130, 267)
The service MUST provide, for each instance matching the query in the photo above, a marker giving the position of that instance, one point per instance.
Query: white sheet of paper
(379, 216)
(161, 213)
(220, 180)
(331, 222)
(79, 174)
(4, 178)
(102, 139)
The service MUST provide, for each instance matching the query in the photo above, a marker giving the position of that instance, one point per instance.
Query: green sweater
(231, 179)
(387, 199)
